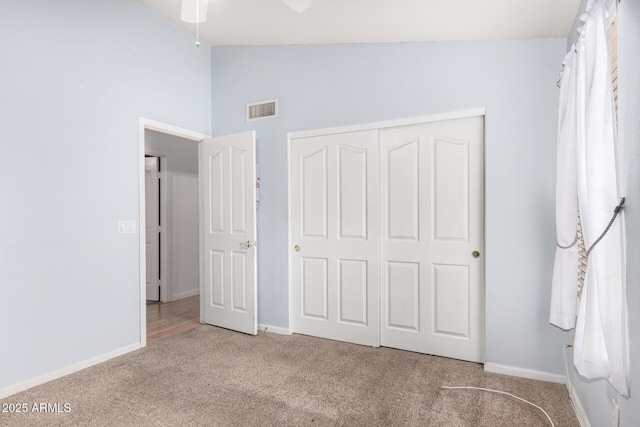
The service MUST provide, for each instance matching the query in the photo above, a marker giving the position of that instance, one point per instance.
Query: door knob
(297, 248)
(475, 254)
(246, 245)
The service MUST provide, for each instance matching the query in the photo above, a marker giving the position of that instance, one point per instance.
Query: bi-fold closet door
(386, 235)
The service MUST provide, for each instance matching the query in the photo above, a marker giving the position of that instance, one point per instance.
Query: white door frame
(149, 124)
(458, 114)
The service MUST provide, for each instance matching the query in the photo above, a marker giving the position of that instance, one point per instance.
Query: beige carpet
(213, 377)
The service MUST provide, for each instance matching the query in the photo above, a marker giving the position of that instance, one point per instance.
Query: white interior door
(228, 261)
(334, 237)
(152, 213)
(431, 278)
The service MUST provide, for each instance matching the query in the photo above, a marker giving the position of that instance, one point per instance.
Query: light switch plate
(127, 227)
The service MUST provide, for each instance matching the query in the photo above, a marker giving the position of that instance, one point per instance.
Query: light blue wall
(324, 86)
(75, 75)
(596, 396)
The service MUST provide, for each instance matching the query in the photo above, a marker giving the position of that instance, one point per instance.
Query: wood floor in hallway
(168, 319)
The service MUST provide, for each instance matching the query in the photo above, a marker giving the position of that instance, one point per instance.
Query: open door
(152, 237)
(228, 258)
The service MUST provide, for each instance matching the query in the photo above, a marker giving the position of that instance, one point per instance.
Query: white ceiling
(271, 22)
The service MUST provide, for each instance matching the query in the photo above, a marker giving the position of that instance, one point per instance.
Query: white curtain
(564, 295)
(600, 347)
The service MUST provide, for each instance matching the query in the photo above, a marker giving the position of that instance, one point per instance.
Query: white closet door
(334, 237)
(432, 297)
(227, 182)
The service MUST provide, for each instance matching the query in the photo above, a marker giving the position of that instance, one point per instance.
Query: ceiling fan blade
(194, 11)
(298, 5)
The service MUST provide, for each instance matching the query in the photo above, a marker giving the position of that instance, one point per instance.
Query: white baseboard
(274, 329)
(515, 371)
(186, 294)
(25, 385)
(577, 406)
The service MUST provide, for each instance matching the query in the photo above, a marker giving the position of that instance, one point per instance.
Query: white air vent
(262, 110)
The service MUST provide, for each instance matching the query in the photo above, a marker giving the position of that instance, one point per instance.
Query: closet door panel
(334, 218)
(444, 314)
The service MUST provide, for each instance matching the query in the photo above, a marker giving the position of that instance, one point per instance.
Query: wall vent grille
(262, 110)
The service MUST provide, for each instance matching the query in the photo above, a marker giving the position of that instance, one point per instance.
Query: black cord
(616, 211)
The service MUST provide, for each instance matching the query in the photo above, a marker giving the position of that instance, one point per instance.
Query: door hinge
(159, 174)
(159, 229)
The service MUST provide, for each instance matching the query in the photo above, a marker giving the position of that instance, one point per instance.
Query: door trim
(149, 124)
(458, 114)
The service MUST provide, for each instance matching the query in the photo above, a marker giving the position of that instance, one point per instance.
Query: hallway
(165, 320)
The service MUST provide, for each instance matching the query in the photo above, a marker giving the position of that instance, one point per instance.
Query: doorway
(222, 231)
(155, 139)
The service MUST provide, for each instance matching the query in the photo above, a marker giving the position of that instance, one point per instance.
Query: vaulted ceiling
(271, 22)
